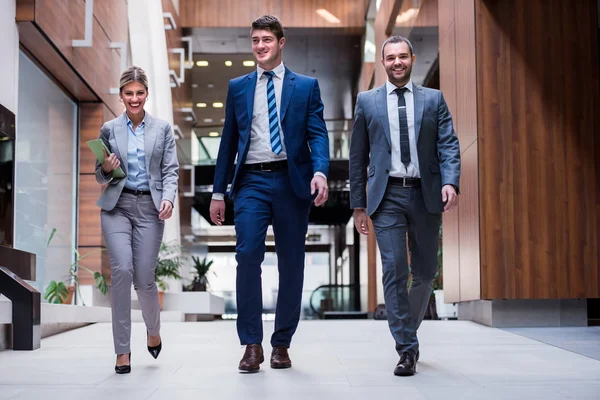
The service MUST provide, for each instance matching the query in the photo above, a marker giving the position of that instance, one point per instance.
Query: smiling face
(134, 97)
(398, 62)
(267, 49)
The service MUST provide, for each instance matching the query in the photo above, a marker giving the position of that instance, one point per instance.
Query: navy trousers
(265, 198)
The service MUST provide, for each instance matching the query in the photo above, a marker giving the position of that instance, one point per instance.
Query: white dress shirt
(260, 135)
(398, 169)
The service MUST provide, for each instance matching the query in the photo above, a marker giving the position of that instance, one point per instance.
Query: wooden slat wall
(292, 13)
(538, 148)
(92, 116)
(459, 86)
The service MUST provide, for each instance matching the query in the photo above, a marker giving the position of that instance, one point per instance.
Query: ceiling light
(202, 63)
(329, 17)
(248, 63)
(194, 85)
(210, 86)
(407, 15)
(218, 105)
(208, 120)
(228, 63)
(213, 134)
(200, 105)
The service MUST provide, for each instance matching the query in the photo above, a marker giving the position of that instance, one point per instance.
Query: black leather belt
(137, 192)
(406, 182)
(267, 167)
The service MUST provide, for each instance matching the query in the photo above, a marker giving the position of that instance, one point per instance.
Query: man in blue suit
(404, 172)
(274, 124)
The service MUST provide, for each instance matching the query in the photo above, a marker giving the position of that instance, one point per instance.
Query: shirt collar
(390, 87)
(130, 122)
(279, 71)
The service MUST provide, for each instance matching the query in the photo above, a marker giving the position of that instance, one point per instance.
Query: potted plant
(168, 265)
(59, 292)
(200, 280)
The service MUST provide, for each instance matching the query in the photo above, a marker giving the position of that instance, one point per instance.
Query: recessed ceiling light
(228, 63)
(210, 86)
(218, 105)
(213, 134)
(202, 63)
(222, 119)
(194, 85)
(329, 17)
(208, 120)
(248, 63)
(200, 105)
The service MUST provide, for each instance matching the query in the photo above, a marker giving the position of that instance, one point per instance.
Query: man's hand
(111, 162)
(166, 210)
(217, 211)
(449, 197)
(360, 221)
(319, 184)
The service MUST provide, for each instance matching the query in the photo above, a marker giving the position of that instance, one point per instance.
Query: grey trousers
(133, 233)
(403, 211)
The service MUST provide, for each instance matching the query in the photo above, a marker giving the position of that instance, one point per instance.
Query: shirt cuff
(319, 173)
(218, 196)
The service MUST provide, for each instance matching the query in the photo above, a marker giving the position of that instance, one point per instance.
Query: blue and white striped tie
(272, 106)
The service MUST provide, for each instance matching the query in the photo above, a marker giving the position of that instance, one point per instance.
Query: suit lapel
(381, 103)
(121, 135)
(150, 134)
(419, 99)
(250, 89)
(286, 92)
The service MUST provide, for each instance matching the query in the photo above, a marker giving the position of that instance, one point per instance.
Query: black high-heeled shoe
(123, 369)
(155, 350)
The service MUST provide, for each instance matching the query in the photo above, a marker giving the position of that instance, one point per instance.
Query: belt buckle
(265, 169)
(139, 193)
(404, 182)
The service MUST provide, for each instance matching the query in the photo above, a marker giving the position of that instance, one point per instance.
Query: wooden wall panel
(91, 116)
(292, 13)
(538, 156)
(62, 21)
(90, 232)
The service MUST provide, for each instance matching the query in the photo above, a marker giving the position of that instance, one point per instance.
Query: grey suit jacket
(161, 160)
(370, 146)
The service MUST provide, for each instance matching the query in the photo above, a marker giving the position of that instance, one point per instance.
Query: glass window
(46, 172)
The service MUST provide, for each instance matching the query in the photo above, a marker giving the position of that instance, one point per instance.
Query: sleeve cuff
(218, 196)
(319, 173)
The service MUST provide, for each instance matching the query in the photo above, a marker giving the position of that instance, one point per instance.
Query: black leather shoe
(407, 366)
(124, 369)
(155, 350)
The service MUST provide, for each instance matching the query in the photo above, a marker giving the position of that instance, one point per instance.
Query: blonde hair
(133, 74)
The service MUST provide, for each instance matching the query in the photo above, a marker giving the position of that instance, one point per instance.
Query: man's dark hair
(268, 23)
(396, 39)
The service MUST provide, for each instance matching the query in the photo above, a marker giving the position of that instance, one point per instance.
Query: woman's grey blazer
(161, 160)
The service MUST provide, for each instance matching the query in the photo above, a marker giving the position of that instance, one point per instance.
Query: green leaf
(51, 236)
(101, 282)
(56, 292)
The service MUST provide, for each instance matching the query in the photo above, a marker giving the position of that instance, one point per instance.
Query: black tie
(404, 145)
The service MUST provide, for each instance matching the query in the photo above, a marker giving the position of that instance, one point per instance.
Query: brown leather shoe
(253, 357)
(280, 358)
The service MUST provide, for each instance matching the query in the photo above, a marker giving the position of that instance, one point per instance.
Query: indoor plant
(200, 280)
(59, 292)
(168, 265)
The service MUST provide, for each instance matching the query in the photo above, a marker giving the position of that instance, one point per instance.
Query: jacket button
(387, 171)
(389, 151)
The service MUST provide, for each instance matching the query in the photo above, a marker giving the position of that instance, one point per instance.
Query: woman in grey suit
(134, 209)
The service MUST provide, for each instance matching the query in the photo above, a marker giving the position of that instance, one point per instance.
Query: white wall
(148, 44)
(9, 48)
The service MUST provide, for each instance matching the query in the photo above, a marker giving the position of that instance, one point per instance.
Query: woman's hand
(166, 210)
(111, 162)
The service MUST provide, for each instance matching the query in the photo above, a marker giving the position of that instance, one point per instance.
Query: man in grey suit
(404, 170)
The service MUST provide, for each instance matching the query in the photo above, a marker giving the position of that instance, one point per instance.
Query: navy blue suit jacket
(302, 123)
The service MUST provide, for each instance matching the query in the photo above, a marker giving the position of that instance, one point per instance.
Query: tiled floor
(332, 360)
